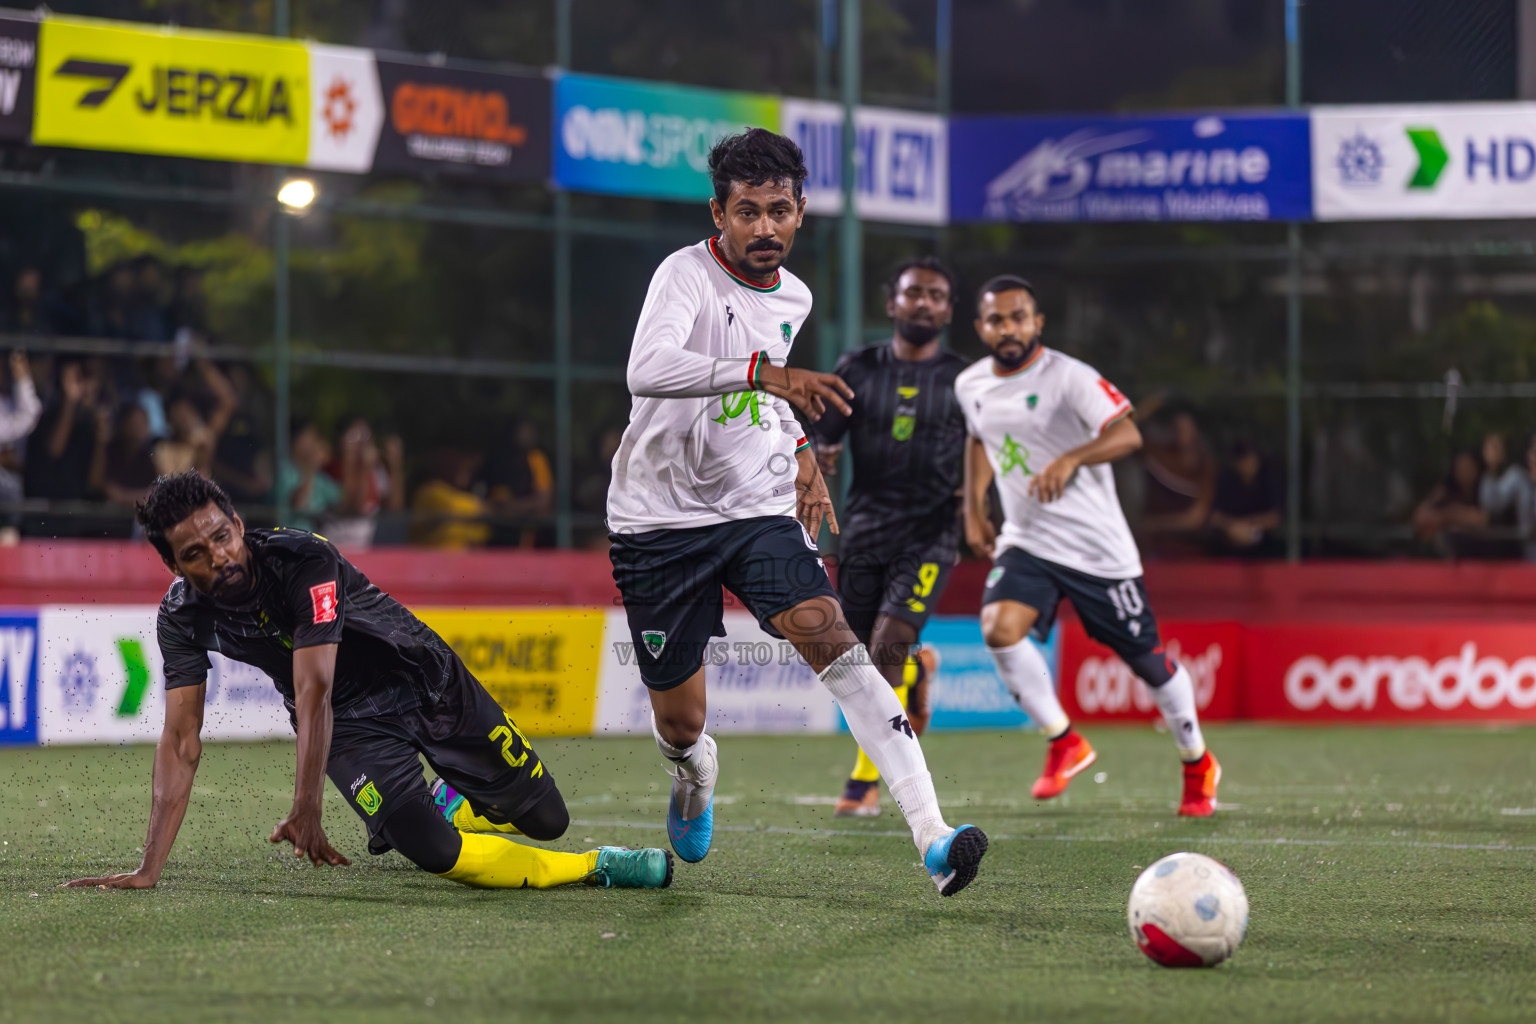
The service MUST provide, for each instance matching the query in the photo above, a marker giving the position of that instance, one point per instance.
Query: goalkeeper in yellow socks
(901, 528)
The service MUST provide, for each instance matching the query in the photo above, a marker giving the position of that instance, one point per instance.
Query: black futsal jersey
(907, 440)
(305, 594)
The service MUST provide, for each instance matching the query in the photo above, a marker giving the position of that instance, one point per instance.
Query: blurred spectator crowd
(83, 436)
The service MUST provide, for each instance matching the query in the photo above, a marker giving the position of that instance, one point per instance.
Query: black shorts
(1114, 612)
(467, 739)
(902, 578)
(670, 581)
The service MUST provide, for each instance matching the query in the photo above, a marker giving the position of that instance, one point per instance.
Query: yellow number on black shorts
(504, 734)
(927, 576)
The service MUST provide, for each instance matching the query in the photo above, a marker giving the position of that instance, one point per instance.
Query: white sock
(878, 722)
(1176, 700)
(1027, 676)
(677, 755)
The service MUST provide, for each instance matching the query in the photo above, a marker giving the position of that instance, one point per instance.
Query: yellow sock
(490, 862)
(466, 820)
(908, 677)
(864, 769)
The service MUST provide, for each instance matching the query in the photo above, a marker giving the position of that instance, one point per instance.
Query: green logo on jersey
(655, 640)
(907, 393)
(734, 405)
(370, 800)
(1032, 401)
(901, 427)
(1013, 456)
(788, 330)
(995, 575)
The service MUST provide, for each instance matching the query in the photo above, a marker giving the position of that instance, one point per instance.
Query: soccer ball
(1188, 910)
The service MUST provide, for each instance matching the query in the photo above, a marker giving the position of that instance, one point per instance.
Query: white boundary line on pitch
(888, 833)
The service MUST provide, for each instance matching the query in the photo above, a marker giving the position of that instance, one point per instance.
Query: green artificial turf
(1389, 874)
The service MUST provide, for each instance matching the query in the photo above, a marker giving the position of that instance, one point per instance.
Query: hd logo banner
(100, 680)
(172, 92)
(1432, 161)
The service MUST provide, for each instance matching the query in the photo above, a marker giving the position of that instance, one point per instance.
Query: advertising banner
(18, 677)
(968, 693)
(18, 77)
(1402, 672)
(1171, 168)
(101, 680)
(541, 664)
(346, 108)
(213, 95)
(646, 139)
(467, 122)
(757, 683)
(1426, 161)
(1095, 685)
(901, 161)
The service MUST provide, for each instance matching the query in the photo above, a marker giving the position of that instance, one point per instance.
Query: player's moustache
(765, 245)
(917, 332)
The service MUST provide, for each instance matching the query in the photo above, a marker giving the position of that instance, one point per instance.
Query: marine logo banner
(1179, 168)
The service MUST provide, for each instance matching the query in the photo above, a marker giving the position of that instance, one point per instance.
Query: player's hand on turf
(813, 504)
(302, 829)
(126, 880)
(826, 458)
(808, 390)
(980, 536)
(1048, 484)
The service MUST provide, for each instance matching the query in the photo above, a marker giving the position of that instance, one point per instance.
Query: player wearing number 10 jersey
(1046, 427)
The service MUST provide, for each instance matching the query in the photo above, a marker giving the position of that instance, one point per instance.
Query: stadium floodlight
(297, 194)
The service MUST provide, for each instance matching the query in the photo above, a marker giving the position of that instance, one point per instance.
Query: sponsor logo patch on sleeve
(323, 596)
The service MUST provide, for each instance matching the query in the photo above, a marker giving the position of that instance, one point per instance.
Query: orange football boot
(1200, 782)
(1065, 757)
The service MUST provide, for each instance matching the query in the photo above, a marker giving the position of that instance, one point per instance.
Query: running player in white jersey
(1046, 427)
(708, 484)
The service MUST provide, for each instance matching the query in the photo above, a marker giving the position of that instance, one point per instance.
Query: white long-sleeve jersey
(703, 444)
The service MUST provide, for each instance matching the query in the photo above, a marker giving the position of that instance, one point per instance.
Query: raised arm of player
(314, 673)
(979, 533)
(176, 757)
(660, 367)
(1116, 441)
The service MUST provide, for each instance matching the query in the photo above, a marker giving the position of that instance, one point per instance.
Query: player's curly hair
(932, 263)
(172, 499)
(754, 157)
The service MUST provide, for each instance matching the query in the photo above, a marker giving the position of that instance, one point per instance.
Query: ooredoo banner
(1095, 685)
(466, 122)
(1400, 672)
